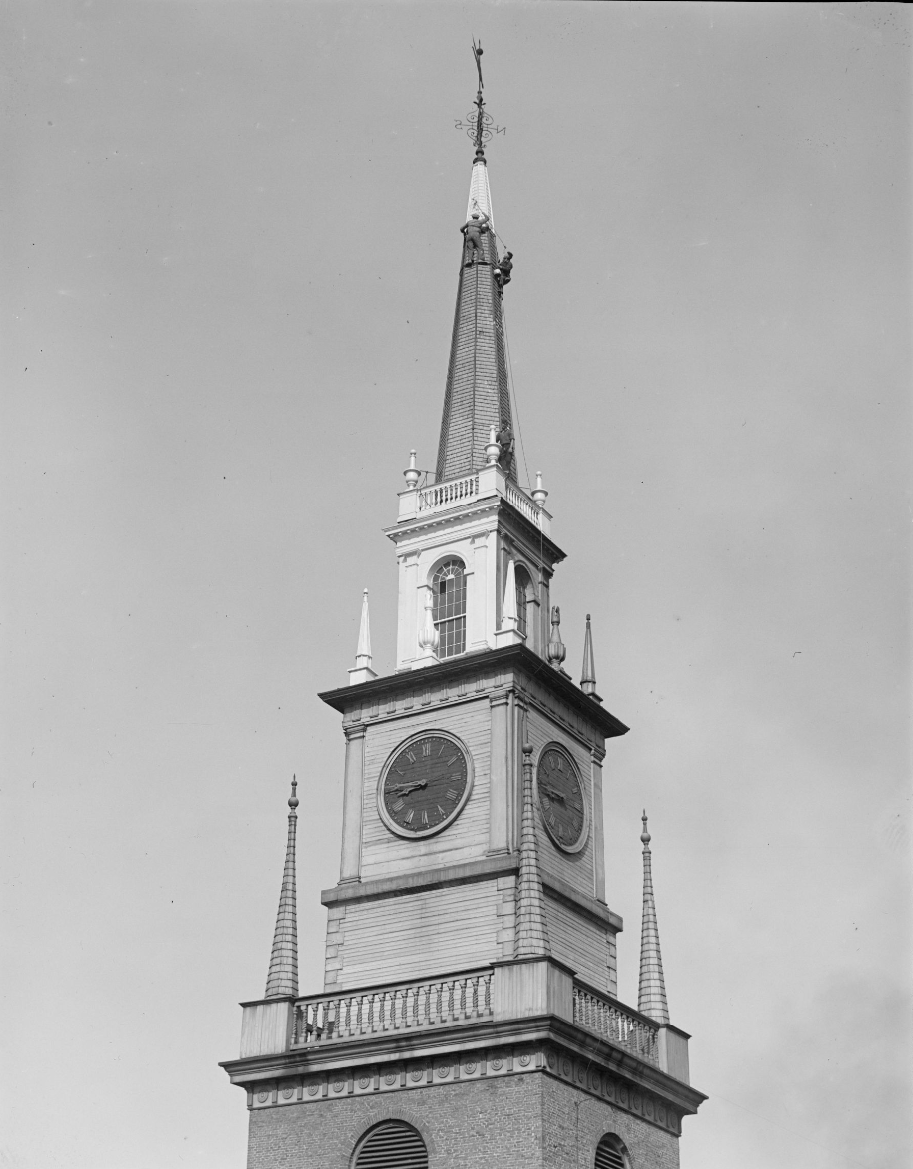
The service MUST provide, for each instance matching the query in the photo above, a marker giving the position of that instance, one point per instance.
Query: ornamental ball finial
(293, 799)
(645, 835)
(527, 748)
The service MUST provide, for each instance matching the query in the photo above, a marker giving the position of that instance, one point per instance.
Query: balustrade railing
(448, 494)
(612, 1022)
(523, 505)
(439, 1002)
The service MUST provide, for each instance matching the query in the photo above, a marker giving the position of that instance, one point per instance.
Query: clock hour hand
(555, 795)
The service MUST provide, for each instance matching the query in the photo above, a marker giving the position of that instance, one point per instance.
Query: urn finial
(412, 473)
(556, 651)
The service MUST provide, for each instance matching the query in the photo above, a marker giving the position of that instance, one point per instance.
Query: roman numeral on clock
(452, 795)
(426, 749)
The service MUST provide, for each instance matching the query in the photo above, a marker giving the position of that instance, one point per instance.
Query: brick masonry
(514, 1122)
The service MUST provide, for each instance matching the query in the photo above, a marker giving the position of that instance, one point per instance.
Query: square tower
(468, 1015)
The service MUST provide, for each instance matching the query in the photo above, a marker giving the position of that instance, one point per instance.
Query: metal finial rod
(293, 798)
(645, 835)
(478, 124)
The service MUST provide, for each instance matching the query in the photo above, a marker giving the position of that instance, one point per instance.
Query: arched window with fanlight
(393, 1144)
(449, 589)
(523, 583)
(611, 1153)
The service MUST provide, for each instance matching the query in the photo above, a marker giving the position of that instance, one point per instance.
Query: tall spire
(282, 980)
(588, 673)
(476, 398)
(651, 989)
(531, 937)
(362, 671)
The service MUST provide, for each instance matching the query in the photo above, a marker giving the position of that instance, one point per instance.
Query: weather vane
(478, 124)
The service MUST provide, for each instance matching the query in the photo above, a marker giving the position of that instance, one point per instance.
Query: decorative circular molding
(364, 1082)
(263, 1097)
(443, 1070)
(390, 823)
(623, 1096)
(566, 1067)
(580, 1075)
(497, 1064)
(636, 1100)
(470, 1067)
(287, 1093)
(390, 1078)
(417, 1074)
(584, 836)
(313, 1088)
(524, 1061)
(338, 1085)
(550, 1059)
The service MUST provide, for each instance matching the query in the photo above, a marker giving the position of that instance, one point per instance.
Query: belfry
(468, 1016)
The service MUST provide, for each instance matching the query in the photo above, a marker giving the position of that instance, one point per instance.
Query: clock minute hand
(556, 795)
(403, 789)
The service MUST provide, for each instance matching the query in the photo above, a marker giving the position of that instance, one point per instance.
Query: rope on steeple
(282, 980)
(651, 988)
(531, 936)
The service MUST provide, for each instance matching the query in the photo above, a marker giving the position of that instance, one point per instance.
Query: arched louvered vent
(610, 1154)
(392, 1145)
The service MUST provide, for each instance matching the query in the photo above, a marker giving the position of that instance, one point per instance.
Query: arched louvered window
(611, 1154)
(449, 588)
(521, 577)
(391, 1145)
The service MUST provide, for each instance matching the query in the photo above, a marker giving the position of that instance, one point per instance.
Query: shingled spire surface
(282, 980)
(651, 989)
(476, 398)
(531, 937)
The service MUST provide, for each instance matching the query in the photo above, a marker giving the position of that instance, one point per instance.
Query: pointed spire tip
(293, 800)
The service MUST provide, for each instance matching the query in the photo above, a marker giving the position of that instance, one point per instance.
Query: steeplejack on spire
(477, 397)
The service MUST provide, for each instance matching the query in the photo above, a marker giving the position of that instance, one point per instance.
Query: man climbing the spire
(505, 439)
(503, 269)
(473, 230)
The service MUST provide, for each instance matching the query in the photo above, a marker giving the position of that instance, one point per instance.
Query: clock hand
(403, 789)
(555, 795)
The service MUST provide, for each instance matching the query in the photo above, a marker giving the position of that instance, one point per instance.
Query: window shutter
(608, 1155)
(392, 1145)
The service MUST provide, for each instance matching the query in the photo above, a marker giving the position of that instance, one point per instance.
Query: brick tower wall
(516, 1122)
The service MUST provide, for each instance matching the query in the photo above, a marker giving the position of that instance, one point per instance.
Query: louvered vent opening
(393, 1145)
(608, 1156)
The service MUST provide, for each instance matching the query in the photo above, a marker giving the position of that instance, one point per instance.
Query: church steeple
(477, 398)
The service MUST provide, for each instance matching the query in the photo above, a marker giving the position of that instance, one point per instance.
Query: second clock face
(561, 799)
(424, 785)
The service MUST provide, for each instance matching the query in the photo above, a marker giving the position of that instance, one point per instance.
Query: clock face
(424, 784)
(561, 799)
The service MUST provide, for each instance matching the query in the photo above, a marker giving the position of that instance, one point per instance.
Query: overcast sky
(232, 249)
